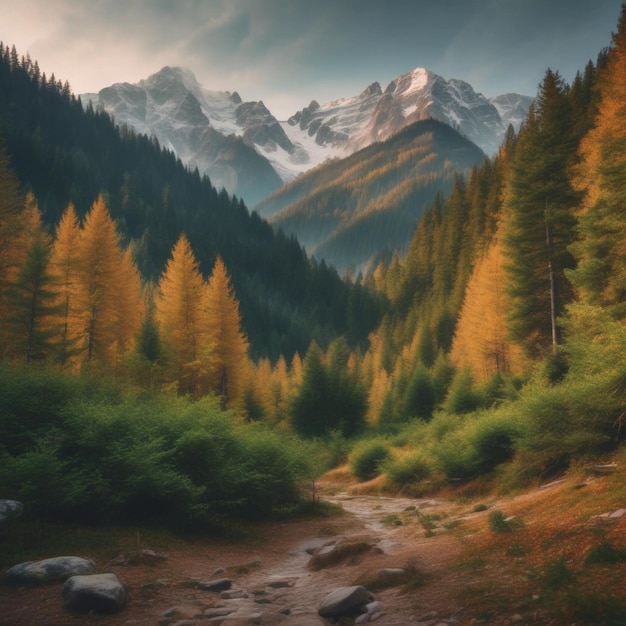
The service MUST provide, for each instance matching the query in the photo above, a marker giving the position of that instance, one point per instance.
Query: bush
(96, 456)
(366, 459)
(409, 468)
(493, 439)
(462, 398)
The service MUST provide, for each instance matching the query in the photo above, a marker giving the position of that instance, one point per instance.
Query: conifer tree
(181, 319)
(31, 296)
(600, 277)
(106, 288)
(228, 371)
(481, 338)
(11, 226)
(64, 263)
(539, 222)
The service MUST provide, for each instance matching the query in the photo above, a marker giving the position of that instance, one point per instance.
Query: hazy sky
(287, 52)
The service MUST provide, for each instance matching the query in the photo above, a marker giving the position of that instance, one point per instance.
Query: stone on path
(219, 584)
(345, 601)
(101, 593)
(56, 569)
(10, 509)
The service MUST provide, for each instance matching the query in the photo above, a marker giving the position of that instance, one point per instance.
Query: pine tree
(600, 277)
(308, 415)
(228, 371)
(539, 223)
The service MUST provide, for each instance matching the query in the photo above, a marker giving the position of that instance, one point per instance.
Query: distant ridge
(243, 148)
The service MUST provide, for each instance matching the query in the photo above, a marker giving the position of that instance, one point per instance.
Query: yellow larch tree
(180, 315)
(31, 293)
(131, 305)
(104, 289)
(481, 338)
(64, 264)
(229, 369)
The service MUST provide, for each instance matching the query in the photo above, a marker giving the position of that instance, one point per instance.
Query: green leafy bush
(409, 468)
(366, 459)
(100, 457)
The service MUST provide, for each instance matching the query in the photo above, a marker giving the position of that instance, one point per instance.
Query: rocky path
(282, 577)
(380, 546)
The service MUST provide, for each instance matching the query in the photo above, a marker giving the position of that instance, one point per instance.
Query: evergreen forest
(166, 355)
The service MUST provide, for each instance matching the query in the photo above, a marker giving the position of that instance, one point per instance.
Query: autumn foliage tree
(109, 289)
(482, 340)
(600, 276)
(229, 360)
(64, 262)
(181, 317)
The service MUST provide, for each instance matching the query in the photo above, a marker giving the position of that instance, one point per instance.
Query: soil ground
(462, 571)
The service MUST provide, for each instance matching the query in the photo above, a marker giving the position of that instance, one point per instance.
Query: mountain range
(355, 212)
(243, 148)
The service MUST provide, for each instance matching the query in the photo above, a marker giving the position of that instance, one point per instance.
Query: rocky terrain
(419, 560)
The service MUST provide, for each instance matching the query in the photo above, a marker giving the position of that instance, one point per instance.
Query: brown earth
(459, 571)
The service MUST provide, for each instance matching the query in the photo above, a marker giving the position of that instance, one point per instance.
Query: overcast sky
(287, 52)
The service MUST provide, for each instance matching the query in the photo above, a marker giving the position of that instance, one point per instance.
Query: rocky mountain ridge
(242, 147)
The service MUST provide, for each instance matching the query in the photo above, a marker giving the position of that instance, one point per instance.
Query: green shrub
(94, 455)
(406, 469)
(605, 553)
(557, 574)
(498, 523)
(493, 438)
(462, 397)
(366, 459)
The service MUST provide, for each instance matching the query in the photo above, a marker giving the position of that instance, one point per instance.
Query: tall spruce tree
(539, 221)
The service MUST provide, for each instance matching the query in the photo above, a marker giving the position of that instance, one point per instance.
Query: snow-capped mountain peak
(201, 125)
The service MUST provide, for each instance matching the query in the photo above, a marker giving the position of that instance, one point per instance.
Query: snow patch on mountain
(241, 143)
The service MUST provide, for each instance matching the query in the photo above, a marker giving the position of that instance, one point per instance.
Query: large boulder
(345, 601)
(57, 569)
(10, 510)
(101, 593)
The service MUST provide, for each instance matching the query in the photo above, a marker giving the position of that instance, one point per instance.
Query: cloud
(295, 50)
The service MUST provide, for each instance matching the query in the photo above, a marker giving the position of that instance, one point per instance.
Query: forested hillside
(499, 357)
(355, 211)
(66, 155)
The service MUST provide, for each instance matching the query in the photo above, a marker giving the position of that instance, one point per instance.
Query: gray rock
(101, 593)
(10, 510)
(219, 584)
(234, 594)
(151, 555)
(344, 601)
(57, 569)
(215, 612)
(280, 584)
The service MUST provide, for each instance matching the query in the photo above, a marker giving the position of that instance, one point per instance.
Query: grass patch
(605, 554)
(557, 575)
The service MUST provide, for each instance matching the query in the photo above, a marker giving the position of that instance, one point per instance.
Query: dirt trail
(271, 573)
